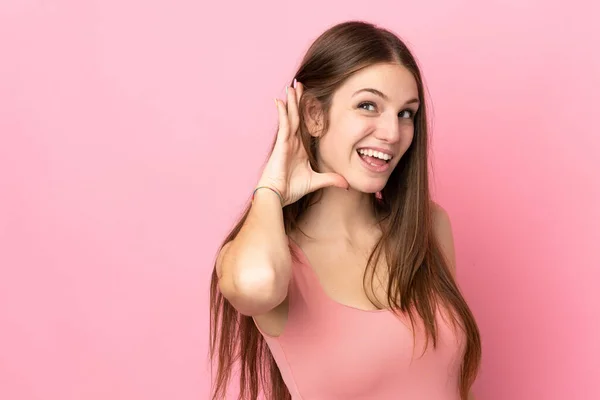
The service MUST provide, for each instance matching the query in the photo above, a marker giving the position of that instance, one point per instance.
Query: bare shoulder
(441, 219)
(442, 228)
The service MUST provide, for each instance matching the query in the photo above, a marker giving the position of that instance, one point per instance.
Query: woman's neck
(339, 213)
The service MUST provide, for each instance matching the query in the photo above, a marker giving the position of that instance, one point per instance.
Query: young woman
(338, 281)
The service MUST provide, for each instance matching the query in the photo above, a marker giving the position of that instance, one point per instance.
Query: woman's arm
(443, 232)
(254, 269)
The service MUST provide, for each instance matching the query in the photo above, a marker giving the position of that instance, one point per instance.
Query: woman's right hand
(288, 169)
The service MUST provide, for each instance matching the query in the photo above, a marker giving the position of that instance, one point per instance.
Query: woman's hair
(419, 274)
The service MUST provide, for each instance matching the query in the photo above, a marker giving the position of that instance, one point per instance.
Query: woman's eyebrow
(382, 95)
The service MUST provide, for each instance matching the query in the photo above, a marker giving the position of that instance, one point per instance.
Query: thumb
(322, 180)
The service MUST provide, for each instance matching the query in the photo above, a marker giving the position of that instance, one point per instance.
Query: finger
(323, 180)
(284, 127)
(292, 106)
(299, 90)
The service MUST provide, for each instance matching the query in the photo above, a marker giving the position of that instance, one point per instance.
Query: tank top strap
(304, 286)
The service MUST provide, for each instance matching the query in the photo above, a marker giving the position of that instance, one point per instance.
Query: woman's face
(371, 126)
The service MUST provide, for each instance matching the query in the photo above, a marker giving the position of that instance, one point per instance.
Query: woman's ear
(314, 118)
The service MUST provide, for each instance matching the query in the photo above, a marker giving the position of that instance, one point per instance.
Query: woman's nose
(389, 129)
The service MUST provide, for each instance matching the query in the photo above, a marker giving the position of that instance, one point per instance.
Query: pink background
(114, 115)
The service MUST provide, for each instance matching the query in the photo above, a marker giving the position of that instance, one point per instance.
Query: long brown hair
(419, 275)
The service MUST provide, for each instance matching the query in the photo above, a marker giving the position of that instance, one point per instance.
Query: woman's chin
(368, 187)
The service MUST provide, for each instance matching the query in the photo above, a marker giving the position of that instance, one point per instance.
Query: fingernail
(294, 83)
(276, 104)
(286, 90)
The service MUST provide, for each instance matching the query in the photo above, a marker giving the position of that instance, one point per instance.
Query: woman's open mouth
(374, 160)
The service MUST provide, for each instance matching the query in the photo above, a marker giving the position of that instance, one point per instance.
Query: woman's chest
(350, 354)
(347, 278)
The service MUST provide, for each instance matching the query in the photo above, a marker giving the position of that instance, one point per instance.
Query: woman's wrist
(268, 191)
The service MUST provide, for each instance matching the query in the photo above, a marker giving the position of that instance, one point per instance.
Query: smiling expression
(371, 126)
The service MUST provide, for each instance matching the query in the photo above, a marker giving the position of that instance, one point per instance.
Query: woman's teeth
(376, 154)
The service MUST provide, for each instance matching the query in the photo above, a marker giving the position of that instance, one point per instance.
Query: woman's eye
(367, 104)
(408, 114)
(370, 106)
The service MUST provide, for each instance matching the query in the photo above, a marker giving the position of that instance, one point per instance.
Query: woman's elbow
(255, 291)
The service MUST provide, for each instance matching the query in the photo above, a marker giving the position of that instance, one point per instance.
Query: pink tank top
(330, 351)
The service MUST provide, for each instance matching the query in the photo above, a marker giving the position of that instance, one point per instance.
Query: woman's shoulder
(439, 214)
(442, 228)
